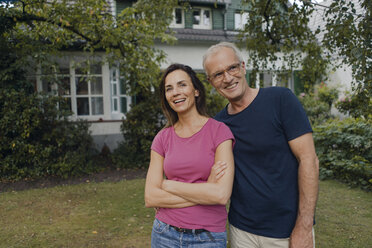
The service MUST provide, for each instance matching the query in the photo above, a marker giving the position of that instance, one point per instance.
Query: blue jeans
(165, 236)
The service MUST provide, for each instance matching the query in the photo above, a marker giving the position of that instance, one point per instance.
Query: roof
(210, 1)
(204, 35)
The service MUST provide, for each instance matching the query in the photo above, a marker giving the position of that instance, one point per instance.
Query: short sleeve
(222, 133)
(158, 144)
(293, 116)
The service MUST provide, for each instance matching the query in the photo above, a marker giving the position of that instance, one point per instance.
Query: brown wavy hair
(200, 101)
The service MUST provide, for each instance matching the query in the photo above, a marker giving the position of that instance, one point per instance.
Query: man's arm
(211, 192)
(308, 174)
(155, 196)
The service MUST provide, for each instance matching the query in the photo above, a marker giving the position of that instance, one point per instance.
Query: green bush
(318, 104)
(326, 94)
(344, 148)
(356, 105)
(37, 140)
(139, 128)
(145, 120)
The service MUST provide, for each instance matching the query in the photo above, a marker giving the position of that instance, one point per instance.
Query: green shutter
(217, 19)
(298, 85)
(120, 5)
(188, 18)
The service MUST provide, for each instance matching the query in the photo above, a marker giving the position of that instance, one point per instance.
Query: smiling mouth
(231, 86)
(179, 100)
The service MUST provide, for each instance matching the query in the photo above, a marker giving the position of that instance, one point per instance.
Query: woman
(191, 201)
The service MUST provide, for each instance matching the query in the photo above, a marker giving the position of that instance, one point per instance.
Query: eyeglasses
(232, 70)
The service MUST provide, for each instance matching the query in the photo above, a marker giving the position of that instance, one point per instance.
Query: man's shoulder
(221, 116)
(276, 90)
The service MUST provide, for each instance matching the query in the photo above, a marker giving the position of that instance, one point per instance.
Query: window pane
(123, 105)
(114, 89)
(66, 103)
(96, 85)
(81, 86)
(115, 105)
(46, 86)
(64, 69)
(206, 17)
(282, 80)
(82, 105)
(97, 105)
(178, 16)
(81, 69)
(238, 21)
(96, 69)
(64, 86)
(196, 16)
(123, 89)
(48, 69)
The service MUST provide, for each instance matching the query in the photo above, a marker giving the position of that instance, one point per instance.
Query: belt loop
(210, 236)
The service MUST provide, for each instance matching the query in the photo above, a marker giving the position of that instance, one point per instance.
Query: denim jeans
(165, 236)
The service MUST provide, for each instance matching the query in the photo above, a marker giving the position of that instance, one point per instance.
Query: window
(55, 80)
(87, 87)
(240, 20)
(202, 18)
(89, 90)
(120, 101)
(282, 79)
(178, 18)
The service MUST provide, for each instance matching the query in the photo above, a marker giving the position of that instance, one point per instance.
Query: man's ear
(245, 70)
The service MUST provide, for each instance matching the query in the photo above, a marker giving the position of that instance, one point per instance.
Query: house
(102, 100)
(340, 77)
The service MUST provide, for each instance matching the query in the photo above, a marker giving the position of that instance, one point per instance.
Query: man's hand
(217, 171)
(301, 238)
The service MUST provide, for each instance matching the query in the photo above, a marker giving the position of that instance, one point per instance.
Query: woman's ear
(196, 93)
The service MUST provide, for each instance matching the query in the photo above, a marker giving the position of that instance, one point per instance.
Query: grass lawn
(113, 215)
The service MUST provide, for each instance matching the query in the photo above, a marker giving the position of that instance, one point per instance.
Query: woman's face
(180, 92)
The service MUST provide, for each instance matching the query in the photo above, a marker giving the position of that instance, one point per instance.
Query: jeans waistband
(186, 230)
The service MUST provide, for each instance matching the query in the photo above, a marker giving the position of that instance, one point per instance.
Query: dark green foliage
(37, 140)
(279, 38)
(349, 36)
(344, 149)
(142, 123)
(356, 104)
(318, 104)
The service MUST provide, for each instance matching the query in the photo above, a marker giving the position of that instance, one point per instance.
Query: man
(276, 181)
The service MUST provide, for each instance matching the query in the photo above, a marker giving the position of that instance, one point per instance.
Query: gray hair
(215, 48)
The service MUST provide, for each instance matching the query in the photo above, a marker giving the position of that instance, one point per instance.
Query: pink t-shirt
(190, 160)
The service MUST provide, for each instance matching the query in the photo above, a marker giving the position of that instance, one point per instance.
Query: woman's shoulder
(215, 123)
(164, 132)
(217, 126)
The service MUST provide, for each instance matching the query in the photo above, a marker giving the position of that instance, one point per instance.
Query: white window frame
(89, 95)
(116, 95)
(201, 24)
(72, 94)
(240, 19)
(178, 25)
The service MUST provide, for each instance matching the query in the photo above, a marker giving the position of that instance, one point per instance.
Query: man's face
(227, 74)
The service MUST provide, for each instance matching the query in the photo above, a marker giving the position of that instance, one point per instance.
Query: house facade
(98, 94)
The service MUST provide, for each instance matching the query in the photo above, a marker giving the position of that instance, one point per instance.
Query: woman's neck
(189, 124)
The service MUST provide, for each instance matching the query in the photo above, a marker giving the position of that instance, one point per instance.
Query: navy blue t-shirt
(264, 200)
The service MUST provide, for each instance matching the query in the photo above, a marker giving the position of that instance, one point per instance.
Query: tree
(41, 28)
(348, 34)
(36, 138)
(279, 31)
